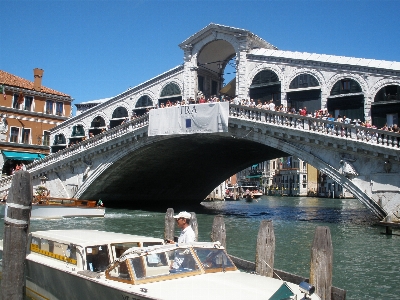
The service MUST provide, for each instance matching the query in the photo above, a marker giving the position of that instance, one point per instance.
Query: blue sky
(97, 49)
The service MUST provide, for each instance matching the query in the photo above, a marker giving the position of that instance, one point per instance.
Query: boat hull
(45, 282)
(58, 212)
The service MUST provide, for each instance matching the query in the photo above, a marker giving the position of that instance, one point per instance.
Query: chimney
(37, 75)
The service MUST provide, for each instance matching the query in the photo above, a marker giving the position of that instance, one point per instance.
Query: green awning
(14, 155)
(254, 176)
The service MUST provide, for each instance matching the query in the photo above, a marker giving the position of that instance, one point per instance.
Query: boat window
(97, 258)
(214, 260)
(60, 251)
(120, 248)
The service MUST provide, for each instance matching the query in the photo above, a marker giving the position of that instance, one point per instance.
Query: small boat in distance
(232, 193)
(46, 207)
(90, 264)
(57, 208)
(250, 190)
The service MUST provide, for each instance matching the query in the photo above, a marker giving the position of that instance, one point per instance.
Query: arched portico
(207, 53)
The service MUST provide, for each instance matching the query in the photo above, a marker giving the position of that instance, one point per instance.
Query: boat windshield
(214, 260)
(141, 265)
(163, 265)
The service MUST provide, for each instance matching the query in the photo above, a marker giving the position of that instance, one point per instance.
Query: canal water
(366, 262)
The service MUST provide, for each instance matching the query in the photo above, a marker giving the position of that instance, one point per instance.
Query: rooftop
(15, 81)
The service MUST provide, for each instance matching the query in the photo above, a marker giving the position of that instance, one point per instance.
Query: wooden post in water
(195, 225)
(16, 229)
(218, 232)
(321, 262)
(265, 250)
(169, 230)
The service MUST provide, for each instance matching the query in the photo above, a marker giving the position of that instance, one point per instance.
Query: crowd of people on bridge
(322, 114)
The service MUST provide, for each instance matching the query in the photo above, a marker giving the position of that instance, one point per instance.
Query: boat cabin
(91, 250)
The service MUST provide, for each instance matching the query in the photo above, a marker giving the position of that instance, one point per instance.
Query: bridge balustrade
(318, 125)
(101, 138)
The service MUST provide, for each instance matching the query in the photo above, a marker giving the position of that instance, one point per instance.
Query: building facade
(28, 111)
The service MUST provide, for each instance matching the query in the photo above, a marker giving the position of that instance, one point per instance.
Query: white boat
(57, 208)
(250, 190)
(231, 193)
(75, 264)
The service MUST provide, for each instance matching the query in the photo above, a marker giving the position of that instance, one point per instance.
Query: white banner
(188, 119)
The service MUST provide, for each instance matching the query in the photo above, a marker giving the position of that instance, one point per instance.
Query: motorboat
(250, 190)
(61, 261)
(231, 193)
(87, 264)
(57, 208)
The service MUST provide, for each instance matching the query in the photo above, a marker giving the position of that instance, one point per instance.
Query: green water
(366, 262)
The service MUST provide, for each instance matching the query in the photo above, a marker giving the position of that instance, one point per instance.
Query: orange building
(28, 111)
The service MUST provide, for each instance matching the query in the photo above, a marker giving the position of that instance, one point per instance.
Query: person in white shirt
(271, 105)
(187, 234)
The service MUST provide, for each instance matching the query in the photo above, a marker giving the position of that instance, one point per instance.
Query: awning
(230, 88)
(14, 155)
(254, 176)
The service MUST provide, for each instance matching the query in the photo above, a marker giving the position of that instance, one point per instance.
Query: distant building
(327, 187)
(84, 106)
(28, 111)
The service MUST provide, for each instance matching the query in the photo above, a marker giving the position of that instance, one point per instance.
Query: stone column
(242, 89)
(190, 74)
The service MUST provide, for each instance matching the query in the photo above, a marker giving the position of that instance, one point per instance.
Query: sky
(94, 49)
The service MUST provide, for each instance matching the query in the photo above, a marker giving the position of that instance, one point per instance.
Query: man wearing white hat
(187, 233)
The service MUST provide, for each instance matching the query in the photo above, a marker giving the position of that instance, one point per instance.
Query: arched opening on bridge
(171, 92)
(304, 91)
(98, 125)
(119, 115)
(59, 143)
(386, 106)
(265, 87)
(346, 99)
(211, 62)
(77, 135)
(143, 104)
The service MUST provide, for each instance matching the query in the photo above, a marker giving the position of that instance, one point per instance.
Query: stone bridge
(124, 166)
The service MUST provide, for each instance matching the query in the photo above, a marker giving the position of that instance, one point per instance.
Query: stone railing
(6, 181)
(318, 125)
(99, 139)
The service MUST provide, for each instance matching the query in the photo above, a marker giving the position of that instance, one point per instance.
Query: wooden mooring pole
(16, 229)
(265, 250)
(169, 229)
(195, 225)
(218, 232)
(321, 262)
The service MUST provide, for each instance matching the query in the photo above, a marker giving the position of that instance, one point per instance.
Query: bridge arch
(120, 113)
(125, 177)
(97, 125)
(266, 85)
(348, 96)
(385, 106)
(143, 103)
(170, 91)
(304, 90)
(212, 59)
(59, 143)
